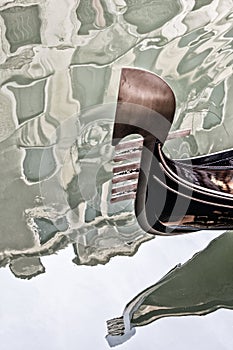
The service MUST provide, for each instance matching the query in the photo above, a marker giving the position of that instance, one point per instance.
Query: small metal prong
(123, 197)
(121, 178)
(127, 156)
(126, 168)
(125, 188)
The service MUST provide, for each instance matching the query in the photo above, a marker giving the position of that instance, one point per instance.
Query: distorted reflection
(62, 177)
(200, 286)
(56, 162)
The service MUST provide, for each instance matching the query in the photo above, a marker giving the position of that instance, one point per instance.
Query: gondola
(172, 196)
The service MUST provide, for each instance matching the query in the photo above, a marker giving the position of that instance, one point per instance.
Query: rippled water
(60, 65)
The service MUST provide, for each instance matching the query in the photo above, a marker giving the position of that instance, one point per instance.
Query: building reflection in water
(63, 186)
(200, 286)
(51, 67)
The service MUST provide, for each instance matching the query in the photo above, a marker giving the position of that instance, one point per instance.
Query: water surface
(59, 74)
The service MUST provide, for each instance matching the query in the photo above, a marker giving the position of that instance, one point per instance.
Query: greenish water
(60, 66)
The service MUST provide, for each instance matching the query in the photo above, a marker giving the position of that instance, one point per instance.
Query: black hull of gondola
(172, 206)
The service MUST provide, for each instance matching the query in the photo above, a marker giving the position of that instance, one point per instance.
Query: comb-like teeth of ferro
(119, 330)
(126, 170)
(127, 156)
(128, 150)
(125, 188)
(116, 326)
(124, 192)
(129, 145)
(124, 177)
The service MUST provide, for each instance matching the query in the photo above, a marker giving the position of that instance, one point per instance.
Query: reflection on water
(198, 287)
(63, 194)
(56, 162)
